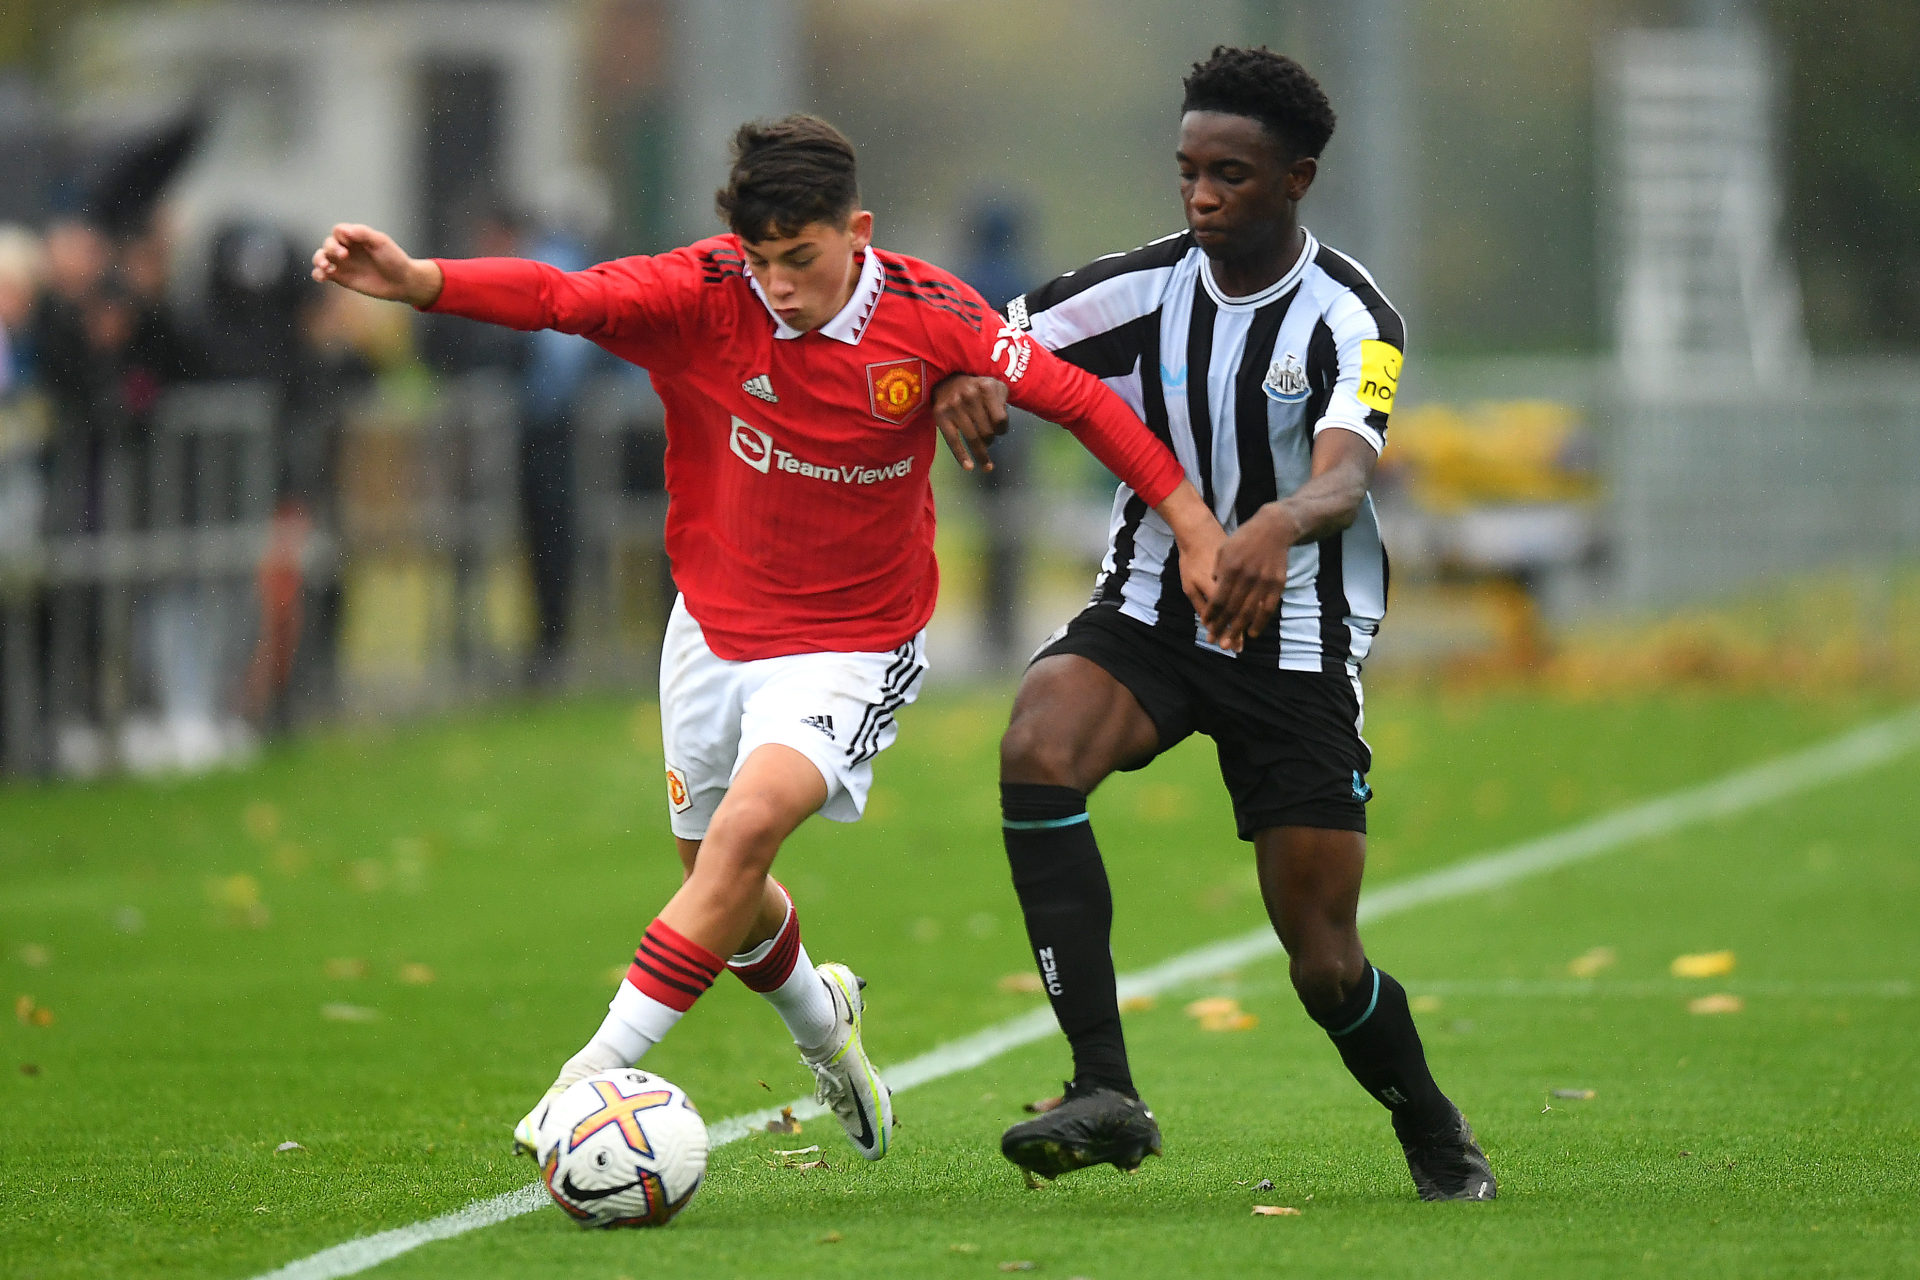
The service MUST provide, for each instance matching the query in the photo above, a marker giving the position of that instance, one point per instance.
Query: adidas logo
(760, 387)
(823, 723)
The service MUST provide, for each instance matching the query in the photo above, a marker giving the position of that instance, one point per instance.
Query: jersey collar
(851, 321)
(1276, 289)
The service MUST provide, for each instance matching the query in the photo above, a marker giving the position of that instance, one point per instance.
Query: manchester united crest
(895, 388)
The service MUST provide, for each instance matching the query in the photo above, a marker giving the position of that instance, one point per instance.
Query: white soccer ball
(622, 1148)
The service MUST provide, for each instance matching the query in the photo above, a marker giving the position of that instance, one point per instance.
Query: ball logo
(751, 445)
(677, 791)
(896, 388)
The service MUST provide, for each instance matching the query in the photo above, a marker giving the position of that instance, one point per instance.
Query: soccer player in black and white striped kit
(1268, 362)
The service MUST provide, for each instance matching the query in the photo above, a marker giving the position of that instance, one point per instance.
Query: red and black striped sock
(781, 971)
(671, 969)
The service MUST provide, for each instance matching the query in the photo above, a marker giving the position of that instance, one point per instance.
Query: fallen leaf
(29, 1068)
(1424, 1004)
(349, 1013)
(1265, 1184)
(1706, 964)
(1022, 1265)
(1275, 1211)
(23, 1009)
(799, 1151)
(764, 1085)
(963, 1248)
(259, 1208)
(1021, 983)
(832, 1237)
(417, 975)
(42, 1016)
(1212, 1007)
(1718, 1003)
(346, 967)
(785, 1124)
(1040, 1106)
(810, 1164)
(1235, 1021)
(34, 956)
(1577, 1095)
(1137, 1004)
(289, 1146)
(1592, 962)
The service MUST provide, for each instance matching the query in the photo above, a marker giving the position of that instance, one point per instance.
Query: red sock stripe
(670, 969)
(771, 971)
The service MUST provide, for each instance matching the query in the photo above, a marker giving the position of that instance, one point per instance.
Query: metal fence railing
(164, 600)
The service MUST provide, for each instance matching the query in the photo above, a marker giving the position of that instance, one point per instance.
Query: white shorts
(836, 709)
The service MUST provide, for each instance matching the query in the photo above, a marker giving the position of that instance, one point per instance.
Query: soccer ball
(622, 1148)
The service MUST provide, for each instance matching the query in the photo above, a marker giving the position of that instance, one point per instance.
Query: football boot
(1092, 1125)
(845, 1081)
(526, 1134)
(1448, 1164)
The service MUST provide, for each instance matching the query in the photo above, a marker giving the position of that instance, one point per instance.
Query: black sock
(1373, 1030)
(1069, 909)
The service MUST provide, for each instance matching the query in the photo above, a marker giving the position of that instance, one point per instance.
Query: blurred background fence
(1657, 257)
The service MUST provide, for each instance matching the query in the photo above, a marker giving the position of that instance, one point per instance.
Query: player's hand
(368, 261)
(1250, 573)
(971, 414)
(1199, 554)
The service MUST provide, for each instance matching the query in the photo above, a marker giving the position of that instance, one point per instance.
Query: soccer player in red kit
(796, 364)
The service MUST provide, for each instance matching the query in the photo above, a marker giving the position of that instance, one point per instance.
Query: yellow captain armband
(1379, 374)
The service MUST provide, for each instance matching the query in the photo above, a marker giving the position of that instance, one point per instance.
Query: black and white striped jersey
(1238, 388)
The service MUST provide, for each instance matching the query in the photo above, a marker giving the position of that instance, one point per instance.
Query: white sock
(635, 1022)
(802, 1001)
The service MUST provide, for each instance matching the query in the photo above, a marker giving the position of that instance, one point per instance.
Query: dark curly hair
(1269, 87)
(787, 174)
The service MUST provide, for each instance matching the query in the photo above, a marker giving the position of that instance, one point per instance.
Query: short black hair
(1269, 87)
(787, 174)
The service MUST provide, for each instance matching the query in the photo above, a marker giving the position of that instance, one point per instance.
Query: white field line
(1841, 757)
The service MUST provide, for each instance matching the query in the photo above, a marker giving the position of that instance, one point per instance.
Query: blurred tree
(1853, 124)
(30, 29)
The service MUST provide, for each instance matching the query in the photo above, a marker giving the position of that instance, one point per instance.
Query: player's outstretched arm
(368, 261)
(1252, 562)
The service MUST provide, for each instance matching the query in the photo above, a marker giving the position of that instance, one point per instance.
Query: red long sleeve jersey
(800, 511)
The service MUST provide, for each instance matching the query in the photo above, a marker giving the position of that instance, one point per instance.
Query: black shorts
(1289, 741)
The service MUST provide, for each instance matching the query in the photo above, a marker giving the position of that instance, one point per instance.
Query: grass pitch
(378, 946)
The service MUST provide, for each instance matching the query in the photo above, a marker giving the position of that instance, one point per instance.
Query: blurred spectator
(452, 346)
(22, 268)
(558, 366)
(996, 265)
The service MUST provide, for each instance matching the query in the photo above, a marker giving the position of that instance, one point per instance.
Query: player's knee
(1322, 977)
(745, 836)
(1029, 752)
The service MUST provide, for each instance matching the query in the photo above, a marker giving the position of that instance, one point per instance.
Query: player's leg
(836, 709)
(1080, 715)
(1310, 881)
(773, 962)
(1072, 725)
(1292, 757)
(679, 955)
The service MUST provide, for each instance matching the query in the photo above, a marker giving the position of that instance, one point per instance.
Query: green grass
(187, 936)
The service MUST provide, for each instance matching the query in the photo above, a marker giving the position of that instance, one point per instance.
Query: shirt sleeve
(641, 307)
(1369, 345)
(1044, 384)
